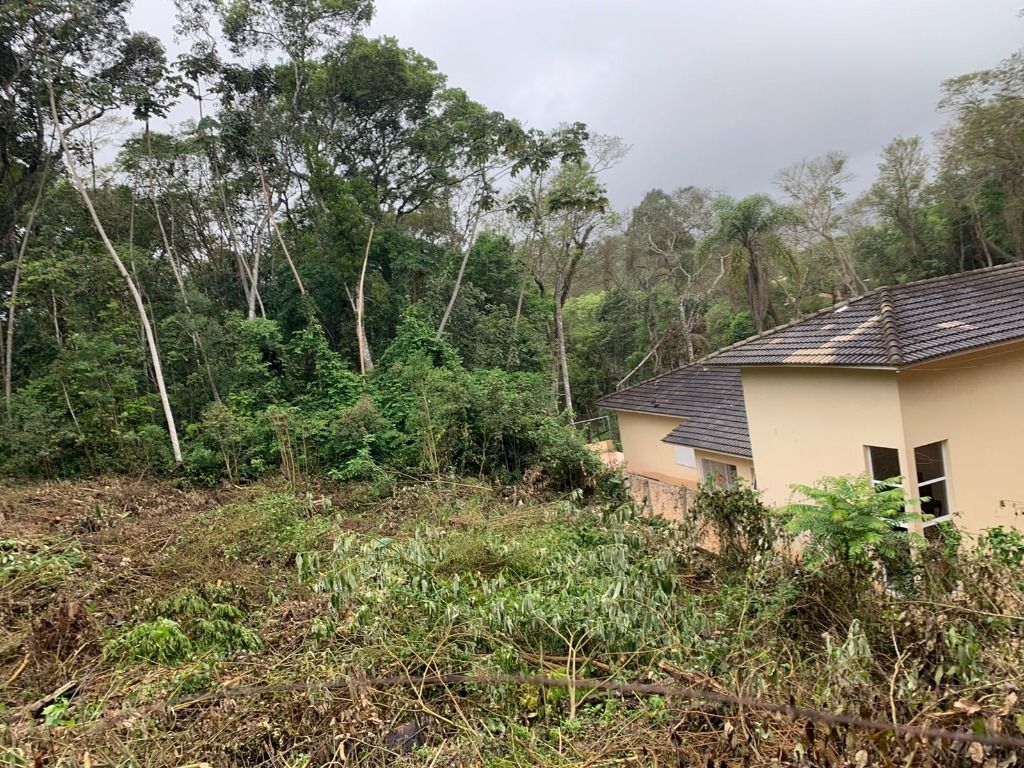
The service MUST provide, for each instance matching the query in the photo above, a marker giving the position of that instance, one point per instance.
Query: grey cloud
(717, 93)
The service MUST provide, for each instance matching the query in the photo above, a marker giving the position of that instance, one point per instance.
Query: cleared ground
(122, 602)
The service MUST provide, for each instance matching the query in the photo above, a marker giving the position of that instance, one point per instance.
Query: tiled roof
(896, 326)
(709, 399)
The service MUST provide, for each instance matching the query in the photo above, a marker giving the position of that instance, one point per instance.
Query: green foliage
(160, 641)
(850, 522)
(25, 567)
(270, 530)
(1004, 546)
(570, 585)
(204, 621)
(743, 528)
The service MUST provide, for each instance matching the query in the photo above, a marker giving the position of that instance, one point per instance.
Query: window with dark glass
(883, 464)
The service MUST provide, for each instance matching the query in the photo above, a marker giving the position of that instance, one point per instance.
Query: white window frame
(944, 455)
(686, 456)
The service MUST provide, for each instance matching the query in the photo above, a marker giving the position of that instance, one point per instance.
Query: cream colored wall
(646, 454)
(974, 402)
(744, 467)
(808, 423)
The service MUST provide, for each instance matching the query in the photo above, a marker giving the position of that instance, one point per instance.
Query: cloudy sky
(716, 93)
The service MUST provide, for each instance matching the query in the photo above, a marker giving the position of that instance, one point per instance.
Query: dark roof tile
(709, 399)
(897, 325)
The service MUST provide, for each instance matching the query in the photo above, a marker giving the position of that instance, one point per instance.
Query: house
(924, 381)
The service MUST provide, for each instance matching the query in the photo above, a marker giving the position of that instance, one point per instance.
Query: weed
(160, 641)
(270, 530)
(206, 620)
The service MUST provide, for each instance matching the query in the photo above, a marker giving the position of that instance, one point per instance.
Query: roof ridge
(890, 330)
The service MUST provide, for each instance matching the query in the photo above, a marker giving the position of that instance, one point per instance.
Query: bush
(744, 528)
(852, 524)
(194, 621)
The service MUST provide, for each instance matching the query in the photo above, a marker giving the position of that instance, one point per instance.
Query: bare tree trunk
(458, 280)
(132, 287)
(253, 293)
(563, 361)
(277, 231)
(687, 327)
(12, 307)
(197, 340)
(56, 319)
(515, 323)
(365, 360)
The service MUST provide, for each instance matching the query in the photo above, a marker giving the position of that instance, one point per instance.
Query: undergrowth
(456, 577)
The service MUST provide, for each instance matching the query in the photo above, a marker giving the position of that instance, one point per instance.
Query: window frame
(871, 464)
(943, 478)
(732, 473)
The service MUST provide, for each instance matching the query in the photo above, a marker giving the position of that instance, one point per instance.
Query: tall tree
(662, 249)
(748, 232)
(815, 188)
(982, 158)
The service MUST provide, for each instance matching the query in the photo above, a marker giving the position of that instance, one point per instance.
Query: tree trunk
(132, 287)
(757, 291)
(515, 324)
(257, 247)
(455, 294)
(563, 361)
(277, 231)
(458, 280)
(686, 324)
(197, 339)
(365, 360)
(9, 347)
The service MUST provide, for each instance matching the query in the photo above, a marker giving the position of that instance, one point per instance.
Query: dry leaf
(970, 707)
(977, 753)
(1008, 704)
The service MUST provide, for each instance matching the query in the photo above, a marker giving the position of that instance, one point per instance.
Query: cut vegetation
(114, 611)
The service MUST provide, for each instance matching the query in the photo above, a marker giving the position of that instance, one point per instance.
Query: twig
(790, 711)
(18, 671)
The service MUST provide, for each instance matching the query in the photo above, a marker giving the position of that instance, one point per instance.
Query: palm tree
(749, 230)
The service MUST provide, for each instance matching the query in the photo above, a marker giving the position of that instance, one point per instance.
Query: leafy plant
(160, 641)
(1004, 546)
(851, 523)
(743, 528)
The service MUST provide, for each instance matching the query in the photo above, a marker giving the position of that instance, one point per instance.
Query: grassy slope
(139, 591)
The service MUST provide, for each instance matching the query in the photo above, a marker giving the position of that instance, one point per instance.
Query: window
(721, 474)
(933, 485)
(883, 464)
(685, 456)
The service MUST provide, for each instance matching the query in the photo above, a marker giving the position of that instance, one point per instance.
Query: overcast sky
(715, 93)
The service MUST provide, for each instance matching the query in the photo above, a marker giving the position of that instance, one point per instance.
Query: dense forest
(347, 266)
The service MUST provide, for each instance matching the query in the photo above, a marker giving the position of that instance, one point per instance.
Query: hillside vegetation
(140, 594)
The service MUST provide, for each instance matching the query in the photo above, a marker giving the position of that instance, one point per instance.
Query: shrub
(160, 641)
(193, 621)
(744, 528)
(851, 523)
